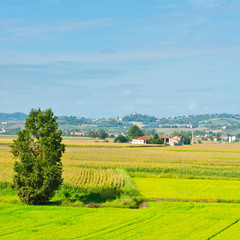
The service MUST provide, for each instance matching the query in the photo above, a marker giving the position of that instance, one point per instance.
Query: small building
(176, 141)
(165, 138)
(224, 138)
(78, 133)
(4, 123)
(171, 140)
(141, 140)
(197, 137)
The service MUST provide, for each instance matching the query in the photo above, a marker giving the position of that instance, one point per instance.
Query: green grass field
(159, 221)
(195, 189)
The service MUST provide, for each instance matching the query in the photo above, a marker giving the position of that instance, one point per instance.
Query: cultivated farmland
(209, 172)
(89, 177)
(189, 189)
(208, 161)
(176, 221)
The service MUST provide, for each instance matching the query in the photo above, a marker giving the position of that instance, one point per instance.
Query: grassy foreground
(189, 188)
(159, 221)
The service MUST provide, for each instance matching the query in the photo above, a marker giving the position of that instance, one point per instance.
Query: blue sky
(104, 58)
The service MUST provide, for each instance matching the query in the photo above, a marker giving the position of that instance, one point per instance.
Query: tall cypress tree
(38, 173)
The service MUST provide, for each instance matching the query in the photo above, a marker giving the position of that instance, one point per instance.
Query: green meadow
(159, 221)
(192, 189)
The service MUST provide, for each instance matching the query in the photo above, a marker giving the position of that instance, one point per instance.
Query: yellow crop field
(90, 177)
(201, 189)
(197, 161)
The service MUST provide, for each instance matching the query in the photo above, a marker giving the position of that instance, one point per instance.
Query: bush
(93, 205)
(78, 204)
(66, 203)
(124, 203)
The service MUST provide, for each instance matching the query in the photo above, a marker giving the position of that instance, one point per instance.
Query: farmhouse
(171, 140)
(224, 138)
(176, 141)
(165, 138)
(141, 140)
(197, 137)
(78, 133)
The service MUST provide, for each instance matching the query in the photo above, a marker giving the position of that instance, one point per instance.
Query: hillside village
(208, 127)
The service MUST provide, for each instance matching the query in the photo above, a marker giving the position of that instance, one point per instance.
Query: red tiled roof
(142, 138)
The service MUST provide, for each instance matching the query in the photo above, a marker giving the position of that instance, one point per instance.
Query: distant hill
(197, 119)
(13, 116)
(223, 122)
(135, 117)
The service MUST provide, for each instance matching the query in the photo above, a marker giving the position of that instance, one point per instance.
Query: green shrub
(78, 204)
(93, 205)
(66, 202)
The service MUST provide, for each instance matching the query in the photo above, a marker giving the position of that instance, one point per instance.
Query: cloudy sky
(105, 58)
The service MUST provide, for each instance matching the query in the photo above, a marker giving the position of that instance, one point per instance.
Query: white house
(197, 137)
(176, 141)
(78, 133)
(140, 140)
(172, 140)
(165, 138)
(224, 138)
